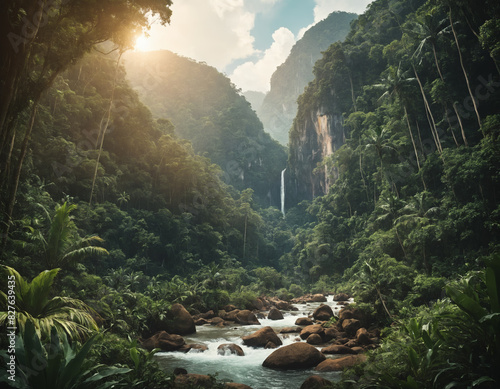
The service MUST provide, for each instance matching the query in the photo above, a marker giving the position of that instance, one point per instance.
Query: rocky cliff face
(288, 81)
(314, 138)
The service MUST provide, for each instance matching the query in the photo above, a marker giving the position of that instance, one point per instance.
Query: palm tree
(32, 303)
(60, 364)
(397, 83)
(63, 245)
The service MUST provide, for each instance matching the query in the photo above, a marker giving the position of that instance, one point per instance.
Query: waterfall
(283, 192)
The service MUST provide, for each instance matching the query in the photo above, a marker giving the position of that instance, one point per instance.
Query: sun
(143, 43)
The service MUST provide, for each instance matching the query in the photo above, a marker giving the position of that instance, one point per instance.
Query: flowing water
(244, 369)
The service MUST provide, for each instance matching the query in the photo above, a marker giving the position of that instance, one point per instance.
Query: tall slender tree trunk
(463, 69)
(12, 188)
(103, 129)
(430, 117)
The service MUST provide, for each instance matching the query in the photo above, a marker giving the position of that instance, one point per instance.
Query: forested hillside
(205, 108)
(410, 194)
(290, 78)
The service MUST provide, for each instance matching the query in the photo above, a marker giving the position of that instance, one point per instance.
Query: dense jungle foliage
(115, 214)
(207, 109)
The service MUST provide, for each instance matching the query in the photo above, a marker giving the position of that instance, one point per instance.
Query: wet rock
(261, 337)
(270, 345)
(338, 349)
(303, 321)
(180, 370)
(246, 317)
(217, 321)
(312, 329)
(229, 316)
(323, 312)
(318, 298)
(341, 297)
(363, 337)
(193, 380)
(340, 363)
(275, 314)
(351, 326)
(230, 349)
(179, 321)
(193, 347)
(201, 322)
(229, 308)
(330, 333)
(314, 339)
(163, 341)
(315, 382)
(294, 356)
(258, 304)
(350, 313)
(234, 385)
(290, 330)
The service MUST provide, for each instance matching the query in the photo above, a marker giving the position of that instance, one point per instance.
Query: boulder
(323, 313)
(163, 341)
(338, 349)
(193, 380)
(234, 385)
(261, 337)
(312, 329)
(201, 322)
(303, 321)
(230, 349)
(270, 345)
(315, 382)
(275, 314)
(340, 363)
(194, 348)
(290, 330)
(231, 316)
(341, 297)
(294, 356)
(314, 339)
(258, 304)
(330, 333)
(179, 321)
(229, 308)
(246, 317)
(217, 321)
(351, 326)
(363, 337)
(318, 298)
(350, 313)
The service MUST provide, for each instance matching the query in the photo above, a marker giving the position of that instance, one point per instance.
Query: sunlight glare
(142, 43)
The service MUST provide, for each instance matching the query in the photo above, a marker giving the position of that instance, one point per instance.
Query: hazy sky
(245, 39)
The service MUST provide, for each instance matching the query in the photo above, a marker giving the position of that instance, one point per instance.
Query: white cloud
(324, 8)
(215, 31)
(256, 76)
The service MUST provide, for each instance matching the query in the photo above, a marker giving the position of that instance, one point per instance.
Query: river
(245, 369)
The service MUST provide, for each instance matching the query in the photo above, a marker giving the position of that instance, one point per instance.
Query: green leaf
(481, 380)
(465, 303)
(412, 354)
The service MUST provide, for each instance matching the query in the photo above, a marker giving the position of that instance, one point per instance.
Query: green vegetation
(207, 109)
(132, 218)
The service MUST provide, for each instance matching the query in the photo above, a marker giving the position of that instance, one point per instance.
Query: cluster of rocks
(346, 336)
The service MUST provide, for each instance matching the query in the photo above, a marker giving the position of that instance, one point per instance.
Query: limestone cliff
(288, 81)
(314, 138)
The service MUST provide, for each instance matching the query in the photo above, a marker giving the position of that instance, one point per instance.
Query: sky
(244, 39)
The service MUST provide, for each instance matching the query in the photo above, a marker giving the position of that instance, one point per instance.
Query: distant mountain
(255, 99)
(206, 109)
(288, 81)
